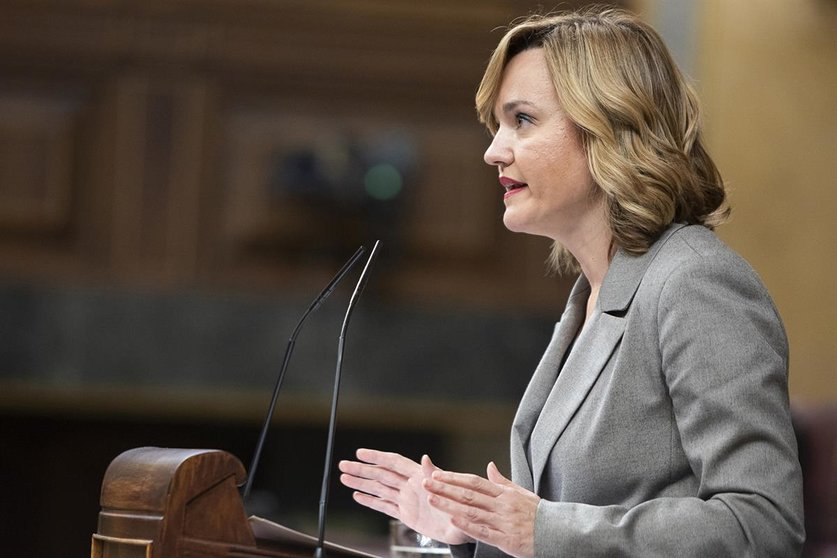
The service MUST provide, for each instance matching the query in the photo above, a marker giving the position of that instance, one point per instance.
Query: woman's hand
(493, 510)
(392, 484)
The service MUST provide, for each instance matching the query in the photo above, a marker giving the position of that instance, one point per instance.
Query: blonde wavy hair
(639, 121)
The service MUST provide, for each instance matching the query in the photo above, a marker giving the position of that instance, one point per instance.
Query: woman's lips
(511, 186)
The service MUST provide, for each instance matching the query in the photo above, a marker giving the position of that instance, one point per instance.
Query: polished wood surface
(179, 503)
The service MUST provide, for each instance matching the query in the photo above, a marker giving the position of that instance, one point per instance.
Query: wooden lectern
(181, 503)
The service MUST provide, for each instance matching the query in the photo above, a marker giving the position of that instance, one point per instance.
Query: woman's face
(543, 166)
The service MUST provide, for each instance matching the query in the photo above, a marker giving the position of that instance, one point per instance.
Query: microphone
(361, 283)
(288, 351)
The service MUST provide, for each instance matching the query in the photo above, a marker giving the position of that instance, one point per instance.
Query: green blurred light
(383, 182)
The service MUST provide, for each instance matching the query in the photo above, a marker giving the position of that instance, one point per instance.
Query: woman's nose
(498, 153)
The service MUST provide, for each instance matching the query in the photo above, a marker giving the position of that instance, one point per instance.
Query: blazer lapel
(543, 379)
(581, 370)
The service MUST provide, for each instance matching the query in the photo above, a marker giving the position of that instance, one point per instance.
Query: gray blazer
(667, 431)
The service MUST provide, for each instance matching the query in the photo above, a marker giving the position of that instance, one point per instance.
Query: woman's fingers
(379, 477)
(393, 484)
(427, 466)
(473, 511)
(463, 486)
(495, 476)
(368, 486)
(388, 460)
(372, 472)
(380, 505)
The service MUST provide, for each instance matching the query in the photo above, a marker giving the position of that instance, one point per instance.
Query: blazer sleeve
(724, 359)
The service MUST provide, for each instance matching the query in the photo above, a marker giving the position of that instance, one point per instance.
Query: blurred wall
(767, 75)
(769, 80)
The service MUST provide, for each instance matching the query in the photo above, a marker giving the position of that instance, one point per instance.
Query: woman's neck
(593, 248)
(594, 267)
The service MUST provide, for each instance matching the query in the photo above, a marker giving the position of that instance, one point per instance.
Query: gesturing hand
(392, 484)
(493, 510)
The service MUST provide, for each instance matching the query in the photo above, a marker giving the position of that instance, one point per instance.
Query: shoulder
(697, 281)
(686, 268)
(695, 246)
(692, 255)
(683, 254)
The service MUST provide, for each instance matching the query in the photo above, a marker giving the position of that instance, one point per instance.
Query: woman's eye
(521, 118)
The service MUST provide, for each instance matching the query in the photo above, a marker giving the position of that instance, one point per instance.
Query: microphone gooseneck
(288, 351)
(361, 283)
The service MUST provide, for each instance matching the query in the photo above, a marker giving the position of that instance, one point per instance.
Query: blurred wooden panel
(441, 203)
(159, 142)
(42, 143)
(457, 203)
(172, 168)
(36, 161)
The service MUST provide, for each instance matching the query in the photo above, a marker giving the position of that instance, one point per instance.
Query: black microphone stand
(288, 351)
(319, 551)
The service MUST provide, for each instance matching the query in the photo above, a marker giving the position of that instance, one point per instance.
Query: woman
(657, 423)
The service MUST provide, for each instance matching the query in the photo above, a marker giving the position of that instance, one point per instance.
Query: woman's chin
(510, 224)
(514, 223)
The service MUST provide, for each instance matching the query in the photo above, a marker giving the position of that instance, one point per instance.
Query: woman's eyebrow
(511, 106)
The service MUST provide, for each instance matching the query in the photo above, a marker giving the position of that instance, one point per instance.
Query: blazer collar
(626, 272)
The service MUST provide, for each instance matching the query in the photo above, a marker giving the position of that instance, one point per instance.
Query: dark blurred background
(179, 178)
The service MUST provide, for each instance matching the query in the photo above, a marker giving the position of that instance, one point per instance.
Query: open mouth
(510, 185)
(514, 187)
